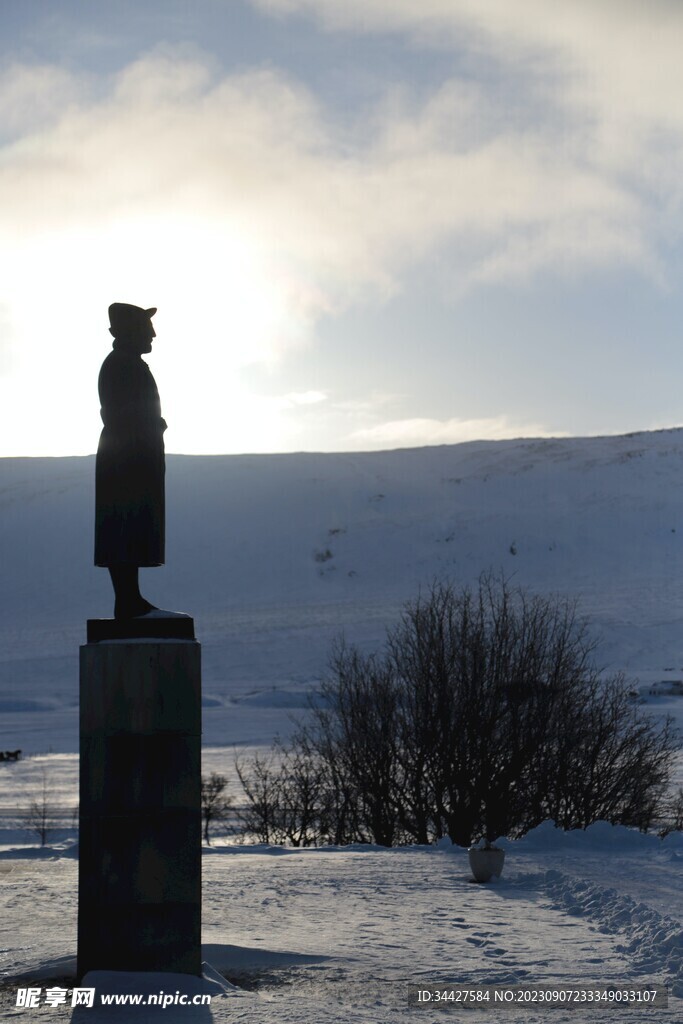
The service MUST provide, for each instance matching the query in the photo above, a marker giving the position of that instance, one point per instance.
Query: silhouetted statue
(129, 475)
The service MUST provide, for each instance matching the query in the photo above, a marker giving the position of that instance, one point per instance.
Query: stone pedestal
(139, 894)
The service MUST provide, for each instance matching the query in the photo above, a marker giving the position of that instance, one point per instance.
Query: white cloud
(305, 398)
(416, 432)
(614, 65)
(235, 204)
(30, 96)
(197, 185)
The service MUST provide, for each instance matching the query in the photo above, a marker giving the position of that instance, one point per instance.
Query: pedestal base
(140, 807)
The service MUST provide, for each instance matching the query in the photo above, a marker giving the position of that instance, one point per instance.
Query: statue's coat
(129, 474)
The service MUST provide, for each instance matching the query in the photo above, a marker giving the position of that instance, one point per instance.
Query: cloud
(31, 96)
(239, 205)
(610, 71)
(416, 432)
(200, 183)
(297, 398)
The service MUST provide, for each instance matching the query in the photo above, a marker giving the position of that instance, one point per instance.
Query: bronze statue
(130, 468)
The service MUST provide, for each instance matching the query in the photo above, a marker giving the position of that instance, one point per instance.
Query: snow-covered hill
(274, 555)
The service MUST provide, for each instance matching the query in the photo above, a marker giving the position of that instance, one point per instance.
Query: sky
(366, 224)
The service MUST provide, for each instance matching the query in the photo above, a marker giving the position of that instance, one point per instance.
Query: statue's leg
(128, 601)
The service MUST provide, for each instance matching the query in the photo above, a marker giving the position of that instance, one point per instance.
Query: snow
(274, 556)
(339, 934)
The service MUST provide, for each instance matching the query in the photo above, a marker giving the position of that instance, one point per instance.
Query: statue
(139, 885)
(130, 467)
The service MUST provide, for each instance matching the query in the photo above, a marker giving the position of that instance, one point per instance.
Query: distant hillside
(275, 554)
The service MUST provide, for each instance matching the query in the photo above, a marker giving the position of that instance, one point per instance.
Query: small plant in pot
(486, 861)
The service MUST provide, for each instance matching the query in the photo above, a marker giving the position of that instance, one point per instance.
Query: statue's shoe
(132, 609)
(162, 613)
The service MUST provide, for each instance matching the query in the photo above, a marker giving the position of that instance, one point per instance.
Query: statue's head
(132, 325)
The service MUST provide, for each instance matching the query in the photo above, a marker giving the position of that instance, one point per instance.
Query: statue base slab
(159, 625)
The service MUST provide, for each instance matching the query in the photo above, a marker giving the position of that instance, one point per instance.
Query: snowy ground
(338, 935)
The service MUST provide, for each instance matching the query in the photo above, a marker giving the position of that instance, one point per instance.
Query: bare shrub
(672, 817)
(216, 803)
(41, 815)
(284, 794)
(484, 715)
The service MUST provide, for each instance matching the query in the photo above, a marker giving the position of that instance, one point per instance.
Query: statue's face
(139, 338)
(147, 332)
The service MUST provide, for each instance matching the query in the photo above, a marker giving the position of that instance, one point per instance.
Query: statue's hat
(123, 316)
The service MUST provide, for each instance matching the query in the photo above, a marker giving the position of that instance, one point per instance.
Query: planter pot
(486, 863)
